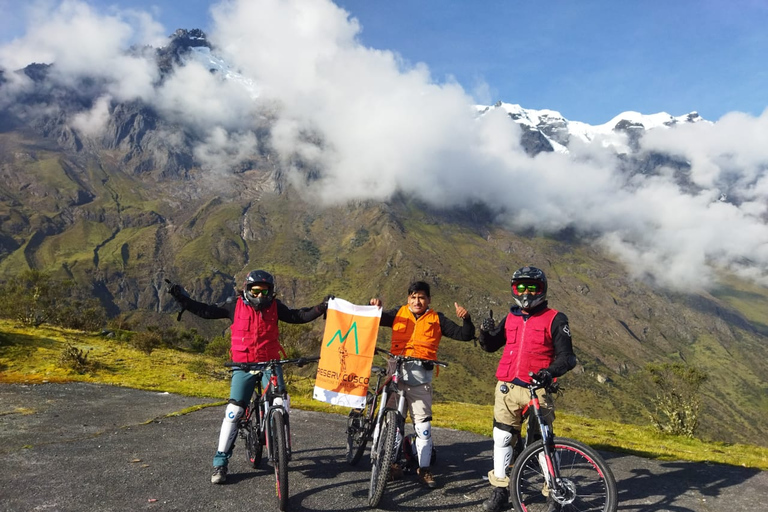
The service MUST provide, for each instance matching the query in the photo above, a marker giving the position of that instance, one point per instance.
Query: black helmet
(523, 280)
(253, 278)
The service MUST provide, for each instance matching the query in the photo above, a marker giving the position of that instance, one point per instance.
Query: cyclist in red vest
(536, 339)
(416, 332)
(254, 313)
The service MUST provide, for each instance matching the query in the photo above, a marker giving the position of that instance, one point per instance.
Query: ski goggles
(521, 288)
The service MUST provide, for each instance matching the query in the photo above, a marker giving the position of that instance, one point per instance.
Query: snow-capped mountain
(553, 132)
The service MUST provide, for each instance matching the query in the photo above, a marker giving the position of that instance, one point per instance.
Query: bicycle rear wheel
(588, 484)
(382, 457)
(358, 431)
(253, 445)
(280, 458)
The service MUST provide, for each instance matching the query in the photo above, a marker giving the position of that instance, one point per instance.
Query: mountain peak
(559, 131)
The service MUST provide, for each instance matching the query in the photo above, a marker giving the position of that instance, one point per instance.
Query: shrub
(27, 298)
(119, 323)
(34, 298)
(677, 400)
(219, 347)
(146, 341)
(80, 314)
(300, 340)
(75, 359)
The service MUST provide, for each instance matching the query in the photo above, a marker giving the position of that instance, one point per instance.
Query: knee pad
(502, 438)
(423, 430)
(229, 428)
(502, 454)
(233, 412)
(423, 443)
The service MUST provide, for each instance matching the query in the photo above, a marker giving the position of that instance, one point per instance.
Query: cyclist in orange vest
(416, 332)
(536, 339)
(254, 313)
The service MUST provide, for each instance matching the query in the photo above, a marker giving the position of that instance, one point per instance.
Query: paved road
(102, 448)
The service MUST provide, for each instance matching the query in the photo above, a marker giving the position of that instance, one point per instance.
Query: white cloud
(373, 125)
(93, 122)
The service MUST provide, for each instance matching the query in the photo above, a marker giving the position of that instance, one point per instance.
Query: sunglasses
(521, 288)
(256, 291)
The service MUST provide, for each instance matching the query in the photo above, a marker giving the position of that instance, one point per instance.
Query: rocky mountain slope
(122, 210)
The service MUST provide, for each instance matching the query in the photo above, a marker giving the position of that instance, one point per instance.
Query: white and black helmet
(529, 287)
(258, 300)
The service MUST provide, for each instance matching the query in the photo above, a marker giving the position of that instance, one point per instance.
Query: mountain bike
(389, 428)
(557, 473)
(360, 422)
(266, 420)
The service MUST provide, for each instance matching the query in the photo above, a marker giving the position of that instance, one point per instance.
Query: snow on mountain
(204, 56)
(543, 130)
(616, 133)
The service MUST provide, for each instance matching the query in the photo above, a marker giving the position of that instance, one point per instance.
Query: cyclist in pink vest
(254, 313)
(536, 339)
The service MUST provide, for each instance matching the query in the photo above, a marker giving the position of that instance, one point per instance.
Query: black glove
(323, 306)
(177, 291)
(488, 324)
(543, 377)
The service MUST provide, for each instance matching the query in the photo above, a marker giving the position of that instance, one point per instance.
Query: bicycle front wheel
(253, 445)
(358, 432)
(280, 458)
(586, 482)
(382, 457)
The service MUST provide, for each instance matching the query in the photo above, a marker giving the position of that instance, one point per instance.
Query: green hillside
(121, 235)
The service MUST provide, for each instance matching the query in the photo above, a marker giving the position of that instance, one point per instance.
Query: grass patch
(31, 356)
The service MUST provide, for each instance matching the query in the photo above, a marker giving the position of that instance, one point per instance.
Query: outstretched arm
(302, 315)
(465, 332)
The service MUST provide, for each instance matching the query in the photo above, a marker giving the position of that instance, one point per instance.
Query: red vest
(255, 334)
(529, 346)
(416, 338)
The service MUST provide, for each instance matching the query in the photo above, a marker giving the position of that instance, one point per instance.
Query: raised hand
(488, 324)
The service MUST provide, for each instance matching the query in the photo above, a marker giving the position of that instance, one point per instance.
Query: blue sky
(588, 59)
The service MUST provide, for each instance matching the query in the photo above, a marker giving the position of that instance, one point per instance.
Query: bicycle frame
(263, 399)
(387, 449)
(544, 430)
(568, 473)
(361, 421)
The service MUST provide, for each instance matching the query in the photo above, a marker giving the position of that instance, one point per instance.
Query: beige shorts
(418, 400)
(508, 407)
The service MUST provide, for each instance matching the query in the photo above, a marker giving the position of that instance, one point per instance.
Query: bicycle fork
(269, 432)
(548, 458)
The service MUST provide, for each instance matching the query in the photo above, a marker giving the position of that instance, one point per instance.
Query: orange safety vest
(416, 338)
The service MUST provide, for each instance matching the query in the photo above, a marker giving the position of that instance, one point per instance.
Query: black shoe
(497, 501)
(219, 475)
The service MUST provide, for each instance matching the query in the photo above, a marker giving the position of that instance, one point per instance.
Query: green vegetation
(114, 233)
(52, 354)
(677, 400)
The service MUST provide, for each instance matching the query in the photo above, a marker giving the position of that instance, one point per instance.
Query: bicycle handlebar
(409, 358)
(534, 384)
(254, 367)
